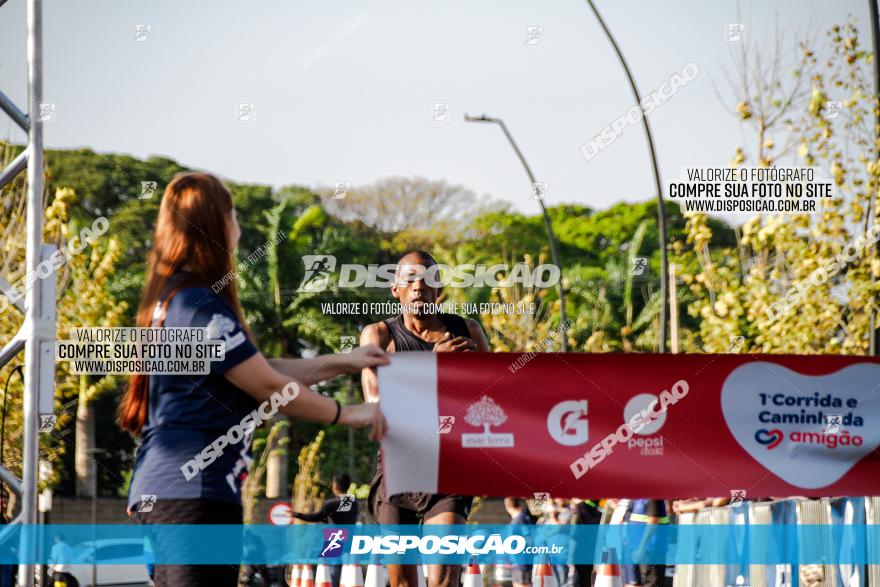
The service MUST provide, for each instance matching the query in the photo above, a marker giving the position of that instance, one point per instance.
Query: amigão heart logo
(772, 438)
(767, 406)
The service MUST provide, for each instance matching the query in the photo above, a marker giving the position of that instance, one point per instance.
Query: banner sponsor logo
(770, 438)
(637, 420)
(486, 413)
(784, 425)
(640, 410)
(567, 423)
(797, 405)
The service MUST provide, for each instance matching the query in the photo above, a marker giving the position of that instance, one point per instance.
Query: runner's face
(410, 286)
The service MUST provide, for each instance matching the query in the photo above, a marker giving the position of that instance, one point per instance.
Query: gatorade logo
(567, 423)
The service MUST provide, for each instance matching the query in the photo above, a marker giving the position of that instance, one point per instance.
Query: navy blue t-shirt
(187, 413)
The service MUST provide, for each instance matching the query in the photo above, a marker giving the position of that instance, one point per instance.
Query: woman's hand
(364, 357)
(362, 415)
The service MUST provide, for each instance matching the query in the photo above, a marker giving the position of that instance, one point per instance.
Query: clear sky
(343, 90)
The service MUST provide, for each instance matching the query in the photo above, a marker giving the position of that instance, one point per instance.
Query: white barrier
(872, 514)
(812, 543)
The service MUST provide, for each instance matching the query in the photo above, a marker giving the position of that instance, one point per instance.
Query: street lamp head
(481, 118)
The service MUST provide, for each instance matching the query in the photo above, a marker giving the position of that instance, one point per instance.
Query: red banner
(631, 425)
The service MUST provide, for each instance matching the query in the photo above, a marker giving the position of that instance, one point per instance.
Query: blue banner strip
(732, 544)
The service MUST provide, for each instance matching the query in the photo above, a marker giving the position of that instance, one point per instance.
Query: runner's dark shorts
(413, 508)
(190, 511)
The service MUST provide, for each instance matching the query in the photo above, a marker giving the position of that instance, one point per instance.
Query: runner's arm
(329, 506)
(259, 380)
(478, 335)
(373, 334)
(324, 367)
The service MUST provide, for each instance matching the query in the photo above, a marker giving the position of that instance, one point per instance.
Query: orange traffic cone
(351, 576)
(293, 572)
(322, 576)
(375, 575)
(472, 576)
(307, 577)
(608, 573)
(542, 576)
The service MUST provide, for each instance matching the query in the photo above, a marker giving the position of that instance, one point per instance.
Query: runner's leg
(386, 513)
(445, 575)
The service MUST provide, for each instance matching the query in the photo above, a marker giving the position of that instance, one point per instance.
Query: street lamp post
(554, 250)
(873, 332)
(661, 209)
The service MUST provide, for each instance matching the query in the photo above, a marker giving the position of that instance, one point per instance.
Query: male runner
(418, 328)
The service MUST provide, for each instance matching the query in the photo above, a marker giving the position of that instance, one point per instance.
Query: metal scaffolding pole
(38, 330)
(37, 335)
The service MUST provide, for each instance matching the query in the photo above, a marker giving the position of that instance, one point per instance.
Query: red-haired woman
(179, 418)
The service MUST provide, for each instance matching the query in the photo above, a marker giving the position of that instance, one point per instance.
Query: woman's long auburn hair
(190, 234)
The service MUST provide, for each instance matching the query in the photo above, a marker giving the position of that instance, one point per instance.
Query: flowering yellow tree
(83, 299)
(798, 284)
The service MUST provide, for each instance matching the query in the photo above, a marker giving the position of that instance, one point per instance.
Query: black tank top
(406, 341)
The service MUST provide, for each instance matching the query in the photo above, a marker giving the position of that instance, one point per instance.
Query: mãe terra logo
(486, 413)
